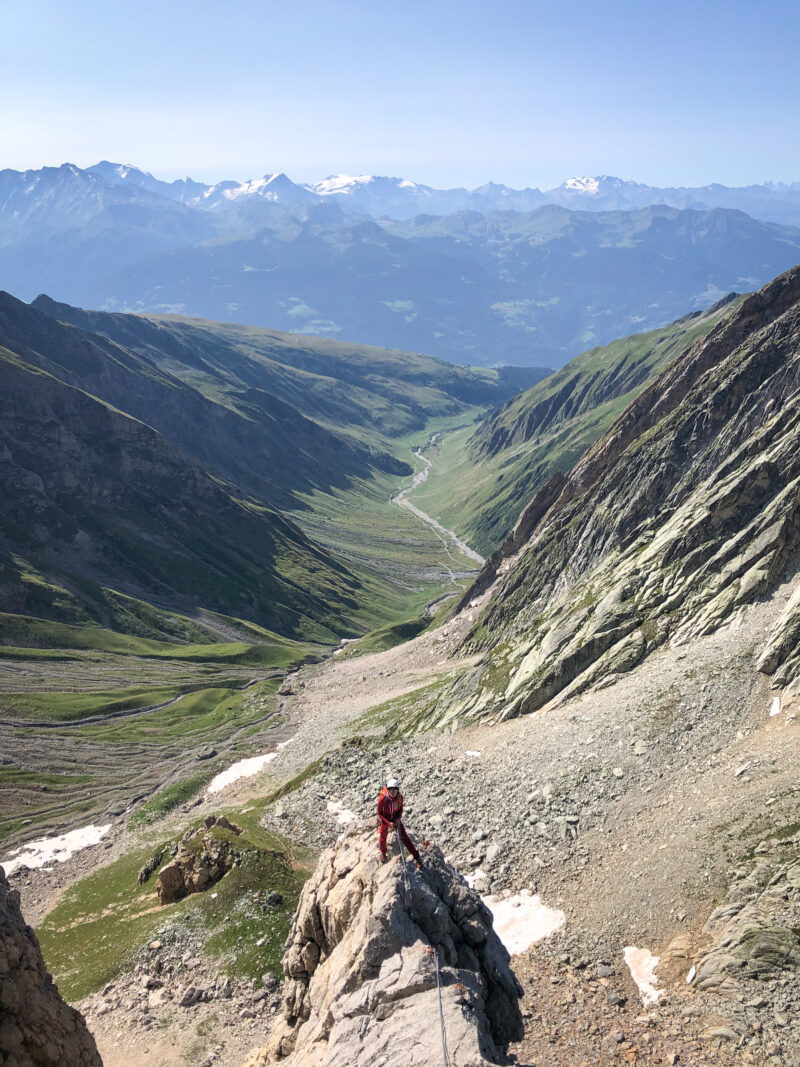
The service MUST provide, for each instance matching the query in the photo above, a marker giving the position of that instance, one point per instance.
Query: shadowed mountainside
(369, 393)
(95, 498)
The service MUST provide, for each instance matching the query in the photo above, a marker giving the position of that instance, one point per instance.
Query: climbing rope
(445, 1057)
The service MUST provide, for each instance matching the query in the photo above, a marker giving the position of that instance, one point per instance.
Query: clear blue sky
(448, 93)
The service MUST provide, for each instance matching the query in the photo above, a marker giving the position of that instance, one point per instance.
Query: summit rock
(361, 967)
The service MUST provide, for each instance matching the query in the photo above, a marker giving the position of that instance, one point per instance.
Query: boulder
(369, 948)
(197, 865)
(753, 931)
(37, 1027)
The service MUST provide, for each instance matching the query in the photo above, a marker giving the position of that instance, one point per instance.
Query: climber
(390, 814)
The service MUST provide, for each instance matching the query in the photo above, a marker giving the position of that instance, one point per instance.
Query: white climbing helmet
(392, 783)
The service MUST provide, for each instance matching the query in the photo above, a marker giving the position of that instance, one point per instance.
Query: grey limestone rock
(361, 967)
(37, 1028)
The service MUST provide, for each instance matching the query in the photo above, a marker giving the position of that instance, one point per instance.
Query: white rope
(445, 1057)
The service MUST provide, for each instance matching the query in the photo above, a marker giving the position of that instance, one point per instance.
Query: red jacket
(390, 811)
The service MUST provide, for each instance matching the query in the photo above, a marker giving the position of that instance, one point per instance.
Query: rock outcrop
(361, 967)
(756, 930)
(37, 1028)
(198, 863)
(684, 512)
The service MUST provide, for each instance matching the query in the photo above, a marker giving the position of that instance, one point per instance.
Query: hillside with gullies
(681, 514)
(154, 460)
(492, 471)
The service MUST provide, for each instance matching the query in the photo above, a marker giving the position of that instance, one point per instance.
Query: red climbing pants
(383, 830)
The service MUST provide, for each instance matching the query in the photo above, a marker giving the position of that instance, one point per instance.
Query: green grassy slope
(145, 578)
(100, 924)
(483, 478)
(372, 394)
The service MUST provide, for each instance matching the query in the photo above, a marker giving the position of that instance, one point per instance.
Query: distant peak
(582, 185)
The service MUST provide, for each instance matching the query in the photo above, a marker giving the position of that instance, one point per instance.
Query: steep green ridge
(482, 478)
(372, 394)
(681, 514)
(91, 492)
(254, 439)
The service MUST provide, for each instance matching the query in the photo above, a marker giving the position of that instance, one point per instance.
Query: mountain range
(476, 287)
(400, 198)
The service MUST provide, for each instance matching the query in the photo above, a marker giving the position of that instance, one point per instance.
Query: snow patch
(340, 183)
(521, 920)
(472, 752)
(776, 707)
(471, 879)
(642, 965)
(582, 185)
(245, 768)
(47, 850)
(343, 815)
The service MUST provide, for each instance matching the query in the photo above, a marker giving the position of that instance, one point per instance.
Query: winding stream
(447, 537)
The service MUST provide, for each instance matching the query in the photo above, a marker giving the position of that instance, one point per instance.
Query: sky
(446, 93)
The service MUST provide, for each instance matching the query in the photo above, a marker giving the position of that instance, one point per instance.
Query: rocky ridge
(368, 948)
(684, 512)
(37, 1028)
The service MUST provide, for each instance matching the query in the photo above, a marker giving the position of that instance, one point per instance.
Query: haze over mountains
(489, 276)
(400, 198)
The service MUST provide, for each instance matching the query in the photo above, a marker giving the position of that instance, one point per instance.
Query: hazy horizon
(440, 94)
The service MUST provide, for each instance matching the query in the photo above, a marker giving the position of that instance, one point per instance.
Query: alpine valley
(259, 555)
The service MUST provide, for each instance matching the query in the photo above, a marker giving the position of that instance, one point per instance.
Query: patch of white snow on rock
(776, 707)
(343, 816)
(642, 965)
(245, 768)
(471, 879)
(521, 920)
(48, 850)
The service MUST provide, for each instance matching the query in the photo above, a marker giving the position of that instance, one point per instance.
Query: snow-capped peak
(340, 183)
(582, 185)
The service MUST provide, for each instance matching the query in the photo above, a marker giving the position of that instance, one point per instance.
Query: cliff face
(37, 1028)
(361, 970)
(686, 510)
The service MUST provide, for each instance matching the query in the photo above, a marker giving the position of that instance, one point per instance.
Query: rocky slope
(682, 513)
(37, 1028)
(368, 949)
